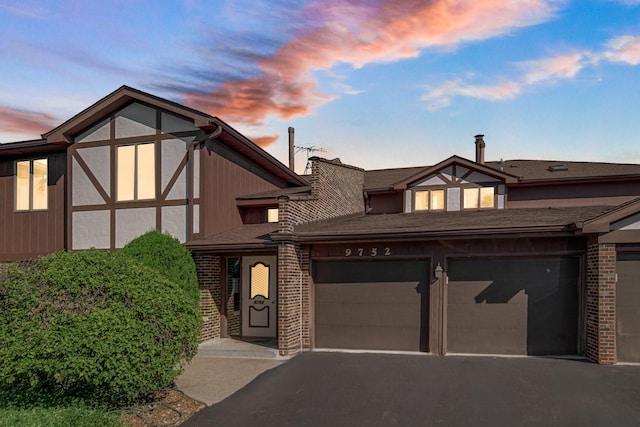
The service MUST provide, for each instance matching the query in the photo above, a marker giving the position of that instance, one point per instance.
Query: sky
(376, 83)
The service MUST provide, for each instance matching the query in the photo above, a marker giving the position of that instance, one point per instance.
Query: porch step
(234, 348)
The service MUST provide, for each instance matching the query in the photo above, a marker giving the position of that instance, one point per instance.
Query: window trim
(429, 200)
(30, 187)
(479, 198)
(136, 170)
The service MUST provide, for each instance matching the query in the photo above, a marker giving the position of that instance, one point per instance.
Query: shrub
(165, 254)
(93, 324)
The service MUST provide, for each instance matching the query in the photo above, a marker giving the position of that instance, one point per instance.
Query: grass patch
(23, 408)
(59, 417)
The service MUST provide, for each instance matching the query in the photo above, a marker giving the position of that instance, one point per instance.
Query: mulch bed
(163, 408)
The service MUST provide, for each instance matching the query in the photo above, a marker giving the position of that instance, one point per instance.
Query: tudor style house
(520, 257)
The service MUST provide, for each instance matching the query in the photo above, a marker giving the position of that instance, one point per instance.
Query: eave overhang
(30, 147)
(394, 235)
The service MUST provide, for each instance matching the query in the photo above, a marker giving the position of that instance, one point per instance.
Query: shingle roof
(249, 236)
(526, 170)
(385, 178)
(462, 222)
(529, 170)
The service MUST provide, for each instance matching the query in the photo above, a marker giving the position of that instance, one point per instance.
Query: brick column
(291, 288)
(601, 302)
(209, 269)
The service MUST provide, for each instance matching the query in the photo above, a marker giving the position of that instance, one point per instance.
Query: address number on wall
(367, 252)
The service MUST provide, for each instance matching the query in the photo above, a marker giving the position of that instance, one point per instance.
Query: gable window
(482, 198)
(31, 185)
(272, 215)
(429, 200)
(136, 172)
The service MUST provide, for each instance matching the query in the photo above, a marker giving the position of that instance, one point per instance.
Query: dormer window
(429, 200)
(479, 198)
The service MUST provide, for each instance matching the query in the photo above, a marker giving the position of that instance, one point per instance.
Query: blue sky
(376, 83)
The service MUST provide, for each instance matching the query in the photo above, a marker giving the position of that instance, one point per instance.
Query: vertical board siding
(27, 235)
(223, 181)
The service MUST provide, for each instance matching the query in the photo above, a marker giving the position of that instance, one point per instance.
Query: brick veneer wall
(209, 270)
(601, 302)
(336, 190)
(233, 316)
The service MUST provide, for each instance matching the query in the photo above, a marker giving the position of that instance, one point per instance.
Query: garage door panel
(486, 341)
(491, 316)
(366, 309)
(365, 338)
(516, 305)
(627, 311)
(368, 293)
(368, 314)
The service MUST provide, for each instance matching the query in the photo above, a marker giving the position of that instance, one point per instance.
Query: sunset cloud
(623, 49)
(26, 123)
(264, 141)
(441, 96)
(358, 33)
(559, 67)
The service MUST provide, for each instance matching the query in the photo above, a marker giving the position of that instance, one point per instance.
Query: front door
(259, 308)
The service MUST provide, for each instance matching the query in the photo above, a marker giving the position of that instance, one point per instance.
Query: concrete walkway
(223, 366)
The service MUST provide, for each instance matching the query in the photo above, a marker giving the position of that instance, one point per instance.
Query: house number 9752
(367, 252)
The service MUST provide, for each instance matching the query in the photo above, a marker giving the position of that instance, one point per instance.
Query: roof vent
(557, 168)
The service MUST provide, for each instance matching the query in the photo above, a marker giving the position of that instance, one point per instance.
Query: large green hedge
(93, 324)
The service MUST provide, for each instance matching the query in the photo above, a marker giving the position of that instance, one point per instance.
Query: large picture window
(136, 172)
(31, 185)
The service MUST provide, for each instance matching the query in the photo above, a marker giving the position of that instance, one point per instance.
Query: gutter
(555, 230)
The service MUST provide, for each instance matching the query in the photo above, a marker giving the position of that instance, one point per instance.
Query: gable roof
(602, 223)
(115, 101)
(61, 136)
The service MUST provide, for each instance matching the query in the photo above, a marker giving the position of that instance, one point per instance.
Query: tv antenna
(309, 151)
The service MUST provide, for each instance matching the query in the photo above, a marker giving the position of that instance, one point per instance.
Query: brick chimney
(480, 149)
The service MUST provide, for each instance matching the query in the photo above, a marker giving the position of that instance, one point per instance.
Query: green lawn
(59, 417)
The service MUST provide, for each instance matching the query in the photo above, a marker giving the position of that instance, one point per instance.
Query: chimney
(480, 149)
(291, 150)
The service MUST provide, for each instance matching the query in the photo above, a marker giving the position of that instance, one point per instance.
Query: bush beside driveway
(347, 389)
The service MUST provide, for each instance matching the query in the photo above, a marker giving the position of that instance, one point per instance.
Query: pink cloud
(359, 33)
(264, 141)
(559, 67)
(20, 122)
(624, 49)
(441, 96)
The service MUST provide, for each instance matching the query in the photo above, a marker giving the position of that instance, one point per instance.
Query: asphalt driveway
(346, 389)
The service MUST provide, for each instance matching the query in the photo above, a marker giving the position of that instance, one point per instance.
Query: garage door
(371, 305)
(627, 311)
(513, 306)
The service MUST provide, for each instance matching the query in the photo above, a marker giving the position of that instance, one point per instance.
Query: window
(475, 198)
(31, 185)
(136, 172)
(429, 200)
(272, 215)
